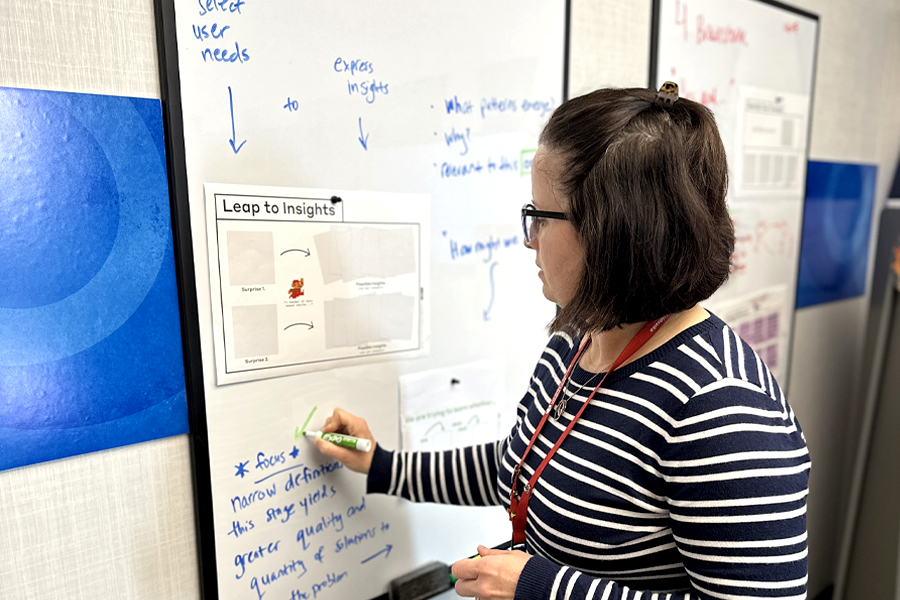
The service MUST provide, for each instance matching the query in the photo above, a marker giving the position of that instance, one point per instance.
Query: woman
(681, 469)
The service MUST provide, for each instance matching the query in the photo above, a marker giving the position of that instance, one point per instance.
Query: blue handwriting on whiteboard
(243, 559)
(486, 313)
(354, 540)
(202, 33)
(239, 55)
(241, 502)
(233, 136)
(334, 521)
(306, 474)
(330, 580)
(238, 528)
(267, 462)
(386, 552)
(225, 6)
(454, 106)
(353, 66)
(317, 496)
(489, 105)
(368, 89)
(282, 514)
(476, 167)
(354, 510)
(495, 106)
(460, 170)
(287, 568)
(363, 138)
(542, 107)
(490, 245)
(459, 138)
(311, 499)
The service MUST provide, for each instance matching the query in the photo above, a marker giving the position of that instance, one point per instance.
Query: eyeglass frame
(528, 210)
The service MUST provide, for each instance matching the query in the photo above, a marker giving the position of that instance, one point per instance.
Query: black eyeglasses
(532, 219)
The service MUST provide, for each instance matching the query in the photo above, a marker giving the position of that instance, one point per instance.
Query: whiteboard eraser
(428, 580)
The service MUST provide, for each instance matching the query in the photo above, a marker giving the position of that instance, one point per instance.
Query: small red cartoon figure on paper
(296, 288)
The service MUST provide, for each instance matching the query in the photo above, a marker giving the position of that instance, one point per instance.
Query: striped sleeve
(461, 476)
(738, 479)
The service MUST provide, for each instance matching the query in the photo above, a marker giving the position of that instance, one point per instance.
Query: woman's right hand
(341, 421)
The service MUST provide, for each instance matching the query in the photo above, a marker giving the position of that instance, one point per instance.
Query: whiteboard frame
(651, 79)
(173, 123)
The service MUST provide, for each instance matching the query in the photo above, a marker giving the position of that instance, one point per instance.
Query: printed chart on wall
(752, 63)
(307, 279)
(422, 119)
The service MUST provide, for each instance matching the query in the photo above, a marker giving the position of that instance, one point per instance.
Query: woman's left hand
(494, 576)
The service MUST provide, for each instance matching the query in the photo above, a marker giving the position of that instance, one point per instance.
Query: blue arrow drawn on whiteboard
(363, 138)
(387, 549)
(486, 314)
(233, 136)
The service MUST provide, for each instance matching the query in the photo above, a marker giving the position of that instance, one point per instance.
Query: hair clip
(667, 94)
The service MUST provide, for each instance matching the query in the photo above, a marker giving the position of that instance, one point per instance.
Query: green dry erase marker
(344, 441)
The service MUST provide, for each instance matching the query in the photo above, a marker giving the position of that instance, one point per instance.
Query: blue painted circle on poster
(59, 201)
(99, 300)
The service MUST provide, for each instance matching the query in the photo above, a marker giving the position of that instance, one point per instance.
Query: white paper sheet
(453, 407)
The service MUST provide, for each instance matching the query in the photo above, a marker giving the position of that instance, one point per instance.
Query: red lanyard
(518, 504)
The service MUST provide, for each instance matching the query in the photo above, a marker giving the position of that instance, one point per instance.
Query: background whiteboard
(444, 100)
(752, 63)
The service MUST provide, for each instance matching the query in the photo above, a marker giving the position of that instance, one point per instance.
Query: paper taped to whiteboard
(305, 280)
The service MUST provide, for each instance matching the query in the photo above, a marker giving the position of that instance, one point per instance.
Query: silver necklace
(560, 407)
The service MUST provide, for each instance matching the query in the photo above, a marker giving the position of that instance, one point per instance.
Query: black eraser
(428, 580)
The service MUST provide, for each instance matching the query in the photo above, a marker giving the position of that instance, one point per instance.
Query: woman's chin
(549, 295)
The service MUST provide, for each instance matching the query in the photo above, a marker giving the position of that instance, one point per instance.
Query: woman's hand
(494, 576)
(341, 421)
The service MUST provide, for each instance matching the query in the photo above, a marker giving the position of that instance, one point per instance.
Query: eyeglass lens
(528, 227)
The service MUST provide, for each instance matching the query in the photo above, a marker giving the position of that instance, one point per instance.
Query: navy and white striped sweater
(685, 478)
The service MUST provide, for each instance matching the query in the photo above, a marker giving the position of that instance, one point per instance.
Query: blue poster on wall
(834, 246)
(90, 339)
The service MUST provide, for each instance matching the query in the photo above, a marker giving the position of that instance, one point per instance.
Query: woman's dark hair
(644, 187)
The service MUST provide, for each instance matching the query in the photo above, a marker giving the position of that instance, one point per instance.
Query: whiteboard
(752, 62)
(439, 104)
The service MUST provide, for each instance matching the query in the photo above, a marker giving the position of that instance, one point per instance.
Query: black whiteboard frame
(651, 76)
(173, 123)
(176, 165)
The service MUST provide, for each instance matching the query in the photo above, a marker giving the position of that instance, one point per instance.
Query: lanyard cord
(518, 504)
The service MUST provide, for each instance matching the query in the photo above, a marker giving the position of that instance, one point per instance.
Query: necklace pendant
(560, 408)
